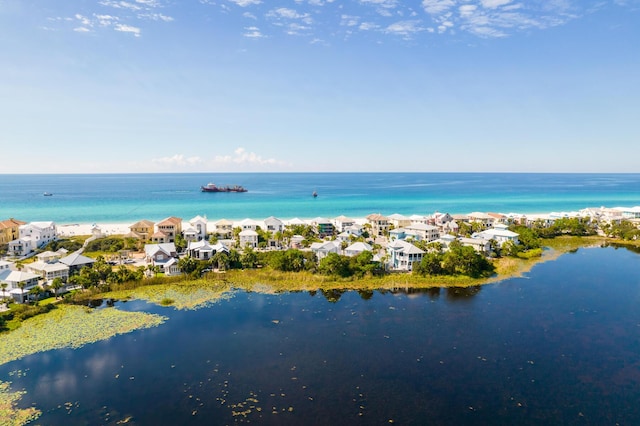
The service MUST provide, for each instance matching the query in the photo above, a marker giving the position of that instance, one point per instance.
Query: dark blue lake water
(560, 346)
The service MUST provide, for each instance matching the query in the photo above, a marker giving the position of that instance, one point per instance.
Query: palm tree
(36, 291)
(4, 288)
(22, 285)
(56, 285)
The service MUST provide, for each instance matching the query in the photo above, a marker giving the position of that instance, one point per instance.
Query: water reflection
(560, 347)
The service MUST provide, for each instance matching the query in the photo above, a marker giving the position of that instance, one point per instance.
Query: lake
(559, 346)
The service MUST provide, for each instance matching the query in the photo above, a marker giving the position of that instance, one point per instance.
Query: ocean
(127, 198)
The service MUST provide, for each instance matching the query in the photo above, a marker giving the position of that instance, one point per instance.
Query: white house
(49, 271)
(15, 279)
(402, 255)
(21, 247)
(196, 230)
(341, 223)
(41, 233)
(497, 234)
(224, 227)
(273, 224)
(399, 220)
(423, 232)
(321, 250)
(247, 224)
(203, 250)
(248, 238)
(357, 248)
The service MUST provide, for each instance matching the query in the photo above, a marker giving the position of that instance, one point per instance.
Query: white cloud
(82, 30)
(245, 3)
(436, 7)
(128, 29)
(156, 17)
(404, 28)
(178, 160)
(492, 4)
(243, 157)
(253, 32)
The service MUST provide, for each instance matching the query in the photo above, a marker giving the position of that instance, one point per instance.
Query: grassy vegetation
(10, 414)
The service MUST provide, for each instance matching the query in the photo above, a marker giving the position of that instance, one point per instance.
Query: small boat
(212, 187)
(315, 194)
(47, 194)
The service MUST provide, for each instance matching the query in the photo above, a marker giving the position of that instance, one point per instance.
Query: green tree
(36, 292)
(249, 259)
(335, 264)
(4, 286)
(56, 285)
(220, 260)
(431, 264)
(188, 265)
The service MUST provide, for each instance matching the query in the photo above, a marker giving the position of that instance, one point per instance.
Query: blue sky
(319, 85)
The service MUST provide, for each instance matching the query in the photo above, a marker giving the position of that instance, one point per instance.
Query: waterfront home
(20, 247)
(629, 212)
(248, 238)
(76, 261)
(170, 227)
(460, 218)
(482, 218)
(42, 233)
(159, 237)
(6, 265)
(403, 255)
(422, 232)
(498, 218)
(481, 245)
(159, 254)
(398, 220)
(196, 229)
(497, 234)
(323, 226)
(417, 218)
(247, 224)
(441, 219)
(10, 230)
(49, 271)
(296, 241)
(170, 267)
(379, 224)
(17, 279)
(203, 250)
(143, 229)
(224, 228)
(357, 248)
(342, 223)
(273, 224)
(52, 256)
(321, 250)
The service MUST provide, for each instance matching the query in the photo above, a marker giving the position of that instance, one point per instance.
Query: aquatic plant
(194, 294)
(71, 327)
(9, 413)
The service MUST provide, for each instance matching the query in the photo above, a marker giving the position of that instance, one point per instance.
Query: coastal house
(629, 213)
(248, 238)
(342, 223)
(10, 230)
(52, 256)
(196, 230)
(170, 227)
(76, 261)
(296, 241)
(160, 254)
(224, 228)
(248, 224)
(324, 227)
(159, 237)
(6, 265)
(49, 271)
(403, 255)
(460, 218)
(417, 218)
(322, 249)
(143, 229)
(273, 224)
(398, 220)
(482, 218)
(203, 250)
(21, 247)
(19, 283)
(379, 224)
(357, 248)
(478, 244)
(422, 232)
(500, 235)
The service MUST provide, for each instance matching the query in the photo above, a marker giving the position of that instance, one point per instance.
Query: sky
(130, 86)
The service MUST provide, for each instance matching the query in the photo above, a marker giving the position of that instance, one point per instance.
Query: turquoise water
(559, 347)
(126, 198)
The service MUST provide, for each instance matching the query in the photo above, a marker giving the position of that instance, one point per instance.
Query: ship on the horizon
(212, 187)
